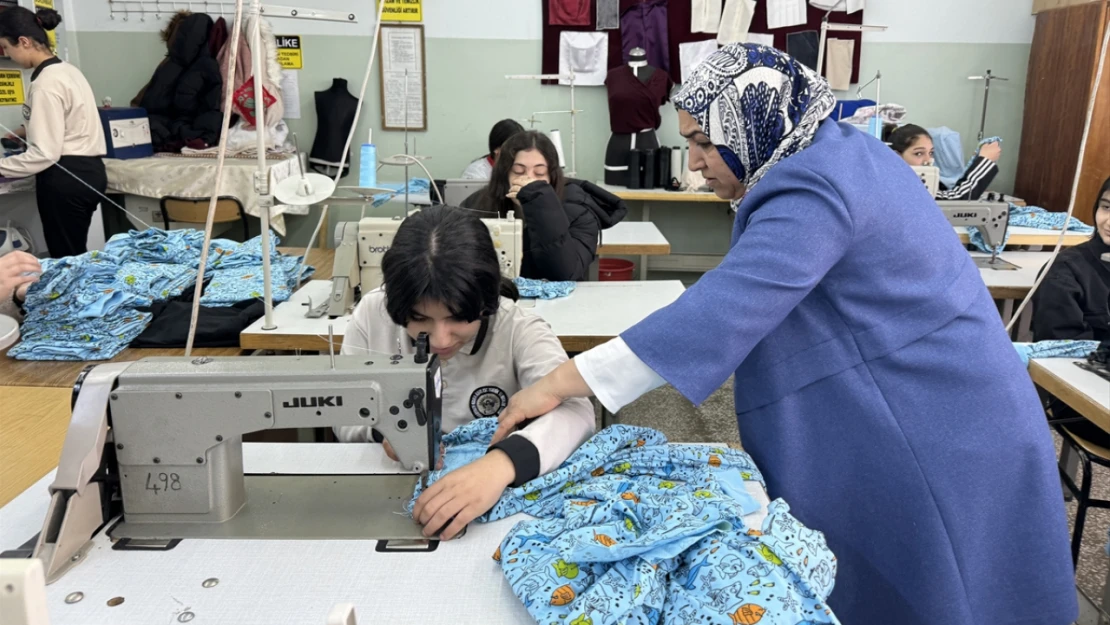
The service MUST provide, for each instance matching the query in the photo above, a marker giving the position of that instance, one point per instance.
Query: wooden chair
(195, 211)
(1089, 454)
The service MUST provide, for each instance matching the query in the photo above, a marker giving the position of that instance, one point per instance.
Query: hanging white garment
(838, 64)
(693, 53)
(735, 21)
(705, 16)
(586, 54)
(850, 6)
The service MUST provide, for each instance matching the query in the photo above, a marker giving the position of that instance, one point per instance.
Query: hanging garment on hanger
(838, 63)
(608, 14)
(645, 26)
(586, 54)
(850, 6)
(705, 16)
(568, 12)
(335, 114)
(693, 53)
(735, 22)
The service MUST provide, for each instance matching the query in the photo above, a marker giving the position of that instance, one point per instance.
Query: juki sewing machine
(154, 451)
(360, 247)
(991, 219)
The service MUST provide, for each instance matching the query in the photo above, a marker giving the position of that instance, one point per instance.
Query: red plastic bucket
(614, 269)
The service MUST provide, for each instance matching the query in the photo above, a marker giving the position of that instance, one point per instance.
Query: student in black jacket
(1073, 302)
(915, 145)
(562, 217)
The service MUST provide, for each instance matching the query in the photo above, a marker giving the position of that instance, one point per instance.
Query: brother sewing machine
(360, 247)
(154, 451)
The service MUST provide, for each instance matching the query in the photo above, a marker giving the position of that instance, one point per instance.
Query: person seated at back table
(915, 145)
(481, 168)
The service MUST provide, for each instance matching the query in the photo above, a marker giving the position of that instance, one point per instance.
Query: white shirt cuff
(615, 374)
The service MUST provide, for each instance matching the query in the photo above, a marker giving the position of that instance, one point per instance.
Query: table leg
(643, 258)
(1070, 460)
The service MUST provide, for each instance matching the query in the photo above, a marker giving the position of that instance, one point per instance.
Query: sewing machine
(991, 219)
(930, 177)
(154, 451)
(360, 247)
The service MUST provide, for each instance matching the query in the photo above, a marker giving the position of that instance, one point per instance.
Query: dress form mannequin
(636, 91)
(335, 113)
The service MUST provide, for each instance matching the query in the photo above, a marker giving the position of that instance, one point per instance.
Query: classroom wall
(925, 56)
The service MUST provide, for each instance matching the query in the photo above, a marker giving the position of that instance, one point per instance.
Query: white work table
(285, 582)
(1012, 284)
(1024, 235)
(593, 314)
(632, 238)
(1087, 393)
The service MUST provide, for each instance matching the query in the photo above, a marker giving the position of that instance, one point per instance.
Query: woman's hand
(463, 495)
(529, 403)
(516, 183)
(18, 270)
(991, 151)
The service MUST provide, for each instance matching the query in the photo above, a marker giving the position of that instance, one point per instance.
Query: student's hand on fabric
(18, 270)
(463, 495)
(991, 151)
(529, 403)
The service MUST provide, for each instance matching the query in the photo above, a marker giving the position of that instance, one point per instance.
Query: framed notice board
(403, 76)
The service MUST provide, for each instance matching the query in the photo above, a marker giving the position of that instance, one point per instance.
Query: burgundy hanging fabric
(569, 12)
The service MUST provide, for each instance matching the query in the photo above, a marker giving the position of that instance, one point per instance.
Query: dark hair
(18, 22)
(501, 132)
(901, 138)
(444, 254)
(493, 198)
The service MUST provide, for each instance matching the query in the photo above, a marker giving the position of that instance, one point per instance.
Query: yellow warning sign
(402, 11)
(11, 87)
(290, 54)
(44, 4)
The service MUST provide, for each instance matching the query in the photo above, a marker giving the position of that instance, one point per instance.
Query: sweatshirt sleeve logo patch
(26, 112)
(488, 401)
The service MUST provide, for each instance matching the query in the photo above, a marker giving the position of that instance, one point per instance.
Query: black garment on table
(560, 236)
(1073, 301)
(803, 47)
(182, 99)
(335, 114)
(66, 206)
(216, 326)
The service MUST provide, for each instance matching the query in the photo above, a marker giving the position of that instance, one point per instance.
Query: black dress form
(335, 114)
(621, 144)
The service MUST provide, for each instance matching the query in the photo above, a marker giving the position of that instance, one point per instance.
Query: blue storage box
(127, 132)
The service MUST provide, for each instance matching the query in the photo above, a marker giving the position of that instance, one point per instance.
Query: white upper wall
(916, 21)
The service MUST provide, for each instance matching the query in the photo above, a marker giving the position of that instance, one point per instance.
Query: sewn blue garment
(1031, 217)
(1055, 349)
(86, 307)
(858, 358)
(416, 186)
(948, 154)
(631, 529)
(544, 289)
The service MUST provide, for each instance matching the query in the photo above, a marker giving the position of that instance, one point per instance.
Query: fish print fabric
(1031, 217)
(631, 529)
(544, 289)
(91, 306)
(1055, 349)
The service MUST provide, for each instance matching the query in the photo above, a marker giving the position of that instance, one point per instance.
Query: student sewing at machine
(481, 168)
(442, 276)
(875, 386)
(562, 217)
(63, 132)
(18, 270)
(1073, 302)
(915, 145)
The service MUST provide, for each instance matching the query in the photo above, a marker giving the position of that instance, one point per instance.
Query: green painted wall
(467, 93)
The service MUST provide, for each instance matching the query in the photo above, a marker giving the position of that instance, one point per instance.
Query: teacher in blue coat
(875, 384)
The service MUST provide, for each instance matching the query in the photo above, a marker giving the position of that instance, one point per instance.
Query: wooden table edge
(1066, 393)
(621, 249)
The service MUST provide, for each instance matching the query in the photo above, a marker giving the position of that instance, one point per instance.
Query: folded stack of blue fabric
(89, 307)
(1054, 349)
(1031, 217)
(631, 529)
(544, 289)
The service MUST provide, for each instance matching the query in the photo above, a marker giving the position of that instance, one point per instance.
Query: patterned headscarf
(756, 104)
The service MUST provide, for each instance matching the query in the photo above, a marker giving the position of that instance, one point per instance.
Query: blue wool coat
(879, 393)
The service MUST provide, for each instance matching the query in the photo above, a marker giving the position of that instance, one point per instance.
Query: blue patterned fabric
(971, 159)
(757, 105)
(88, 307)
(1031, 217)
(544, 289)
(1055, 349)
(416, 186)
(631, 529)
